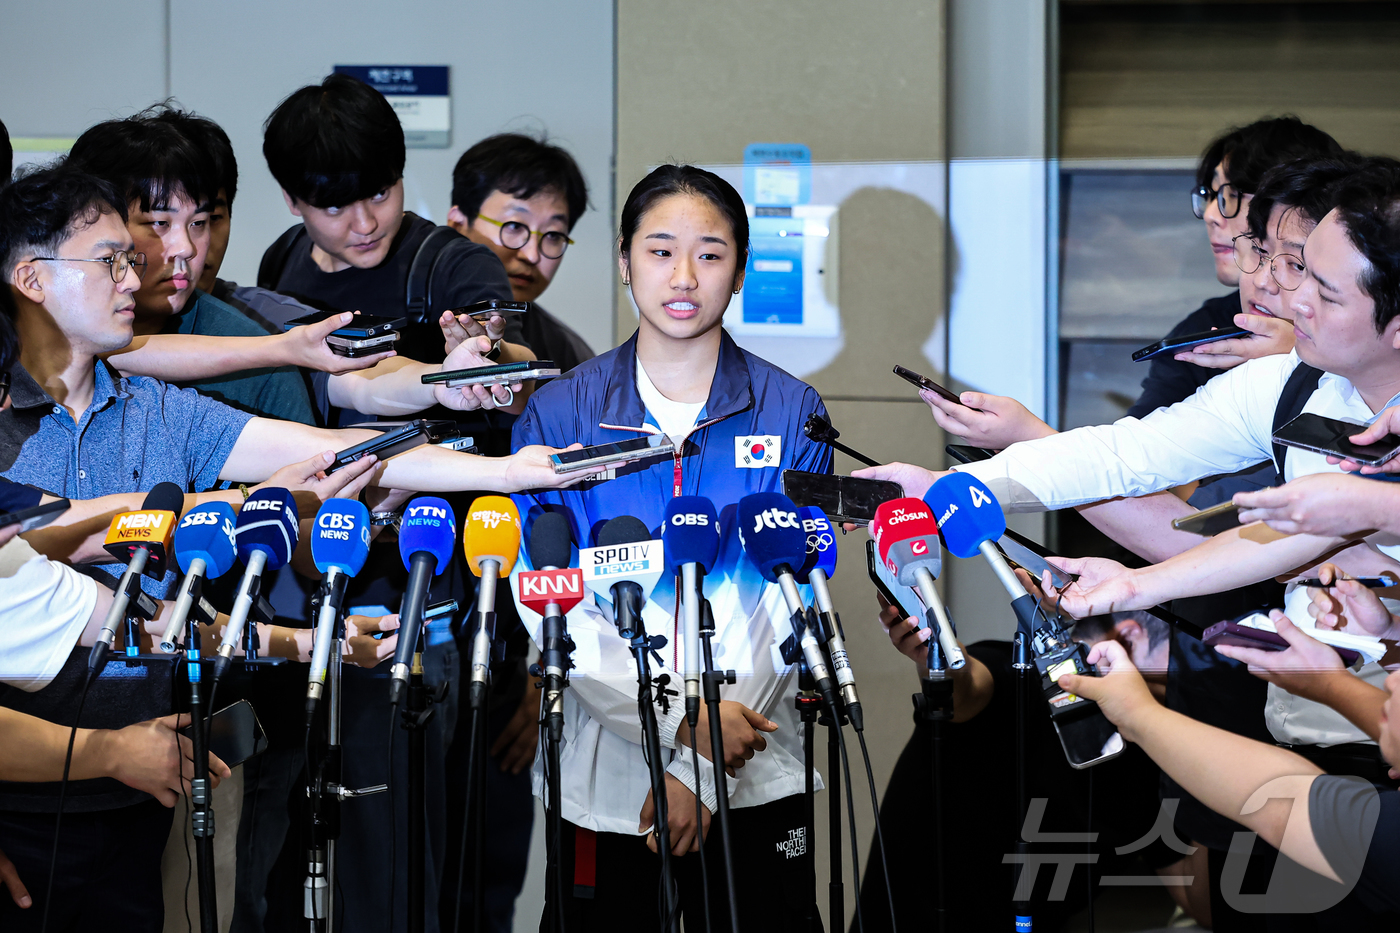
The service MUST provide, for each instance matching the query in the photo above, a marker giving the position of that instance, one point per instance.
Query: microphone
(339, 546)
(426, 536)
(205, 550)
(817, 570)
(906, 541)
(772, 537)
(690, 539)
(970, 520)
(623, 569)
(552, 589)
(491, 540)
(142, 539)
(266, 535)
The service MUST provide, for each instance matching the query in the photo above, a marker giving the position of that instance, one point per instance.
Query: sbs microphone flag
(204, 550)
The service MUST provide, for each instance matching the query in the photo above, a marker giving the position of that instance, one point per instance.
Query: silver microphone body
(117, 614)
(184, 602)
(325, 636)
(690, 602)
(242, 604)
(928, 592)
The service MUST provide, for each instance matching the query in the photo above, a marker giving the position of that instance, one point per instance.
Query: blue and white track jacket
(749, 431)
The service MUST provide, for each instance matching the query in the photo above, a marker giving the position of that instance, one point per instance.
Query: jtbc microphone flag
(966, 511)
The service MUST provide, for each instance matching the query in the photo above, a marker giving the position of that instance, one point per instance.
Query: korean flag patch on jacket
(753, 451)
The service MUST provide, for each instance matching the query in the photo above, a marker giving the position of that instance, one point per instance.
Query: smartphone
(965, 454)
(925, 382)
(432, 612)
(1244, 636)
(34, 517)
(235, 734)
(480, 310)
(397, 437)
(886, 587)
(504, 374)
(1168, 346)
(1089, 740)
(366, 335)
(842, 498)
(1371, 583)
(1019, 554)
(599, 456)
(1210, 522)
(1329, 436)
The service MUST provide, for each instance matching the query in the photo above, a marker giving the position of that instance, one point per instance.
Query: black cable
(466, 820)
(879, 836)
(393, 820)
(851, 819)
(189, 859)
(1089, 850)
(700, 833)
(62, 793)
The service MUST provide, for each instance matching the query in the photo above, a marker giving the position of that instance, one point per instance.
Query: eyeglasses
(514, 235)
(1288, 270)
(117, 263)
(1227, 198)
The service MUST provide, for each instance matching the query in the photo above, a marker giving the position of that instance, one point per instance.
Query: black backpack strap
(418, 298)
(275, 259)
(1302, 383)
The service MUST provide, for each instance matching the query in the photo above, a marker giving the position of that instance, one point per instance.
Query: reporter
(1337, 827)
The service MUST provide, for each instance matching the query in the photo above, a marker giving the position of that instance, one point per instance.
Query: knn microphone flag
(971, 520)
(427, 536)
(142, 540)
(771, 534)
(907, 543)
(339, 547)
(690, 538)
(266, 535)
(491, 542)
(205, 550)
(553, 582)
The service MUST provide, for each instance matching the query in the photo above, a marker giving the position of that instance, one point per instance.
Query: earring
(736, 291)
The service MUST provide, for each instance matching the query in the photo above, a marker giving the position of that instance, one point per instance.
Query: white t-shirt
(44, 607)
(675, 419)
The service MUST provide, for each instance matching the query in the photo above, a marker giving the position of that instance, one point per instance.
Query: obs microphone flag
(623, 569)
(771, 534)
(491, 541)
(690, 539)
(266, 535)
(427, 535)
(970, 520)
(906, 541)
(205, 550)
(817, 569)
(340, 547)
(142, 540)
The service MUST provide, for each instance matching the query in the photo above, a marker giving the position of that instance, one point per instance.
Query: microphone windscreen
(623, 530)
(428, 526)
(340, 536)
(268, 522)
(165, 497)
(551, 541)
(771, 533)
(690, 533)
(966, 511)
(906, 539)
(492, 532)
(207, 534)
(821, 543)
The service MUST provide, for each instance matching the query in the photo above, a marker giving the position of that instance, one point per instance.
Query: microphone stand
(417, 714)
(483, 652)
(809, 705)
(554, 667)
(631, 626)
(1024, 666)
(710, 680)
(202, 814)
(934, 705)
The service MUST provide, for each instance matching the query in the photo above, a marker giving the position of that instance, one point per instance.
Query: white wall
(531, 65)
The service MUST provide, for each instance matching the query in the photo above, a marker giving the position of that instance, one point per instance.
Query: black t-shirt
(552, 339)
(1169, 381)
(1357, 829)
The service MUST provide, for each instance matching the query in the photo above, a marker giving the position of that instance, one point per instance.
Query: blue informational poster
(773, 281)
(419, 95)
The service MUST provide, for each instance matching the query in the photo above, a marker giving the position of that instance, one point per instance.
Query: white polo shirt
(1224, 428)
(44, 607)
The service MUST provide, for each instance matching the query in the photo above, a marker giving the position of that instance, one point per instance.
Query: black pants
(108, 872)
(771, 869)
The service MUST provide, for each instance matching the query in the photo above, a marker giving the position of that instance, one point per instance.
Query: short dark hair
(210, 138)
(1100, 627)
(521, 167)
(147, 159)
(45, 206)
(1368, 207)
(667, 180)
(1307, 186)
(1247, 152)
(334, 143)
